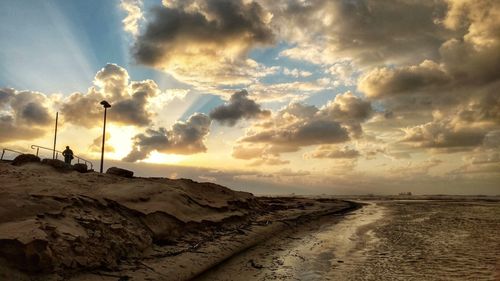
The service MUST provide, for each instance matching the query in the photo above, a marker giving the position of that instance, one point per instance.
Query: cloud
(30, 108)
(473, 57)
(248, 151)
(414, 169)
(296, 72)
(261, 154)
(470, 124)
(344, 72)
(183, 138)
(448, 103)
(485, 161)
(134, 110)
(134, 15)
(468, 58)
(286, 91)
(492, 139)
(302, 134)
(300, 125)
(365, 31)
(10, 131)
(492, 157)
(334, 153)
(96, 145)
(113, 80)
(204, 40)
(24, 115)
(348, 109)
(387, 82)
(130, 101)
(443, 134)
(239, 107)
(270, 161)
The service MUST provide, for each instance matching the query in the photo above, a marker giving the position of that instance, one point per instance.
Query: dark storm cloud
(183, 138)
(238, 107)
(211, 23)
(23, 115)
(129, 101)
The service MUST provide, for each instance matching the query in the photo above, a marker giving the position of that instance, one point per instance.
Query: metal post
(55, 137)
(106, 105)
(103, 138)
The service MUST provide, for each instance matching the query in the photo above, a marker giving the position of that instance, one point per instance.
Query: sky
(266, 96)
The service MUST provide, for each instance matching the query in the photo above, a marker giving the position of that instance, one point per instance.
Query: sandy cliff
(67, 224)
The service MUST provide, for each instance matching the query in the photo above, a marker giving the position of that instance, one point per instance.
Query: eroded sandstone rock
(120, 172)
(24, 159)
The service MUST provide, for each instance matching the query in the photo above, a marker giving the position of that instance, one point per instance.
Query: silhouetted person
(68, 155)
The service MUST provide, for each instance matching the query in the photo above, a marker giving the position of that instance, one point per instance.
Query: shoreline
(442, 240)
(289, 225)
(60, 224)
(282, 257)
(192, 264)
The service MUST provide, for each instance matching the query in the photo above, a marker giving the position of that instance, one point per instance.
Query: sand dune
(81, 226)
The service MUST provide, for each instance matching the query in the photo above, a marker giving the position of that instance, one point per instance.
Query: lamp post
(106, 105)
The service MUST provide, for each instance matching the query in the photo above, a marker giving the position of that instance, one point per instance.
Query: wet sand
(386, 240)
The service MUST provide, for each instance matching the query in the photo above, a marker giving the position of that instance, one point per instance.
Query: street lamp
(106, 105)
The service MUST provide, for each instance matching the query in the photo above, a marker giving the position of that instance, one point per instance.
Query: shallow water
(390, 240)
(433, 240)
(410, 240)
(334, 248)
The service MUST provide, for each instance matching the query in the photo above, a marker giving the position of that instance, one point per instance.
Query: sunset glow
(318, 96)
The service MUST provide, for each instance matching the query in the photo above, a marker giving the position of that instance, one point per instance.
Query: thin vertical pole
(103, 138)
(55, 137)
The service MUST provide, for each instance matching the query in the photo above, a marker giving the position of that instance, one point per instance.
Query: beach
(385, 240)
(60, 224)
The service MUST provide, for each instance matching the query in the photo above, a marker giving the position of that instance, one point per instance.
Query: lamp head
(105, 104)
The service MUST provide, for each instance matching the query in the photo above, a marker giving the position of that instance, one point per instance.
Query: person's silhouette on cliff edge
(68, 155)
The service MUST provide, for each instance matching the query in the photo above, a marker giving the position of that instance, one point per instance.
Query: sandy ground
(70, 226)
(452, 239)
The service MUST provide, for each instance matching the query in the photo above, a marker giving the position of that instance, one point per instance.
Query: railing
(6, 149)
(86, 162)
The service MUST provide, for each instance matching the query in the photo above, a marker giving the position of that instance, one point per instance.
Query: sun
(120, 140)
